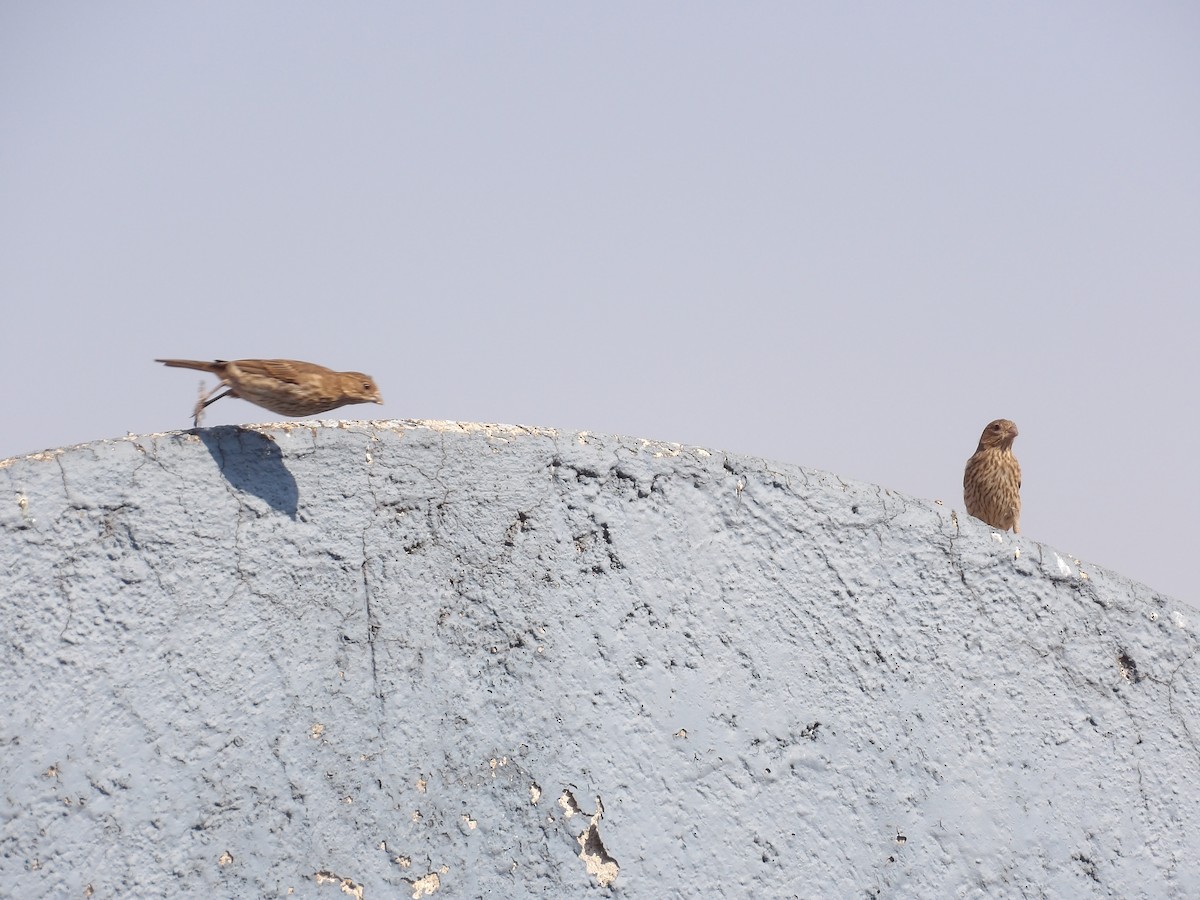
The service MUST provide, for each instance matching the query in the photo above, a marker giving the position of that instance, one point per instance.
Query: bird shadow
(252, 463)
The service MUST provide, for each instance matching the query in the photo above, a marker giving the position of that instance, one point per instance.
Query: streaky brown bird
(992, 481)
(289, 387)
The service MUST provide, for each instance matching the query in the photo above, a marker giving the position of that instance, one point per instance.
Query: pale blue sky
(839, 235)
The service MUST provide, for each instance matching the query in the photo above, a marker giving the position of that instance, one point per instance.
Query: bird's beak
(1013, 431)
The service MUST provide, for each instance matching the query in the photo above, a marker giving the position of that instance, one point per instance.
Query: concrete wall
(431, 659)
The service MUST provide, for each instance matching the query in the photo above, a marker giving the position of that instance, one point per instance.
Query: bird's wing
(286, 370)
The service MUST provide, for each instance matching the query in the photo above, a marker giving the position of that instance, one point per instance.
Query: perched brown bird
(992, 482)
(285, 386)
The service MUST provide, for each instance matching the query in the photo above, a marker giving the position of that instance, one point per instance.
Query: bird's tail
(215, 366)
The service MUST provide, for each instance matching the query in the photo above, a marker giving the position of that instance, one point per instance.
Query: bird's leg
(207, 399)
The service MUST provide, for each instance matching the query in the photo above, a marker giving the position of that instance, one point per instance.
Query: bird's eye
(366, 385)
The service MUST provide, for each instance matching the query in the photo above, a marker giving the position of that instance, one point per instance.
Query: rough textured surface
(431, 659)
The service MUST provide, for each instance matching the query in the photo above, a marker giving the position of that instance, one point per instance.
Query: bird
(992, 480)
(289, 387)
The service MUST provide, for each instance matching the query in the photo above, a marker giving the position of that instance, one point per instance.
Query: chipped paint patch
(567, 802)
(348, 886)
(425, 886)
(595, 858)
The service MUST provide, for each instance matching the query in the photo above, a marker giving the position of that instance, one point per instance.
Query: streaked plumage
(285, 386)
(992, 481)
